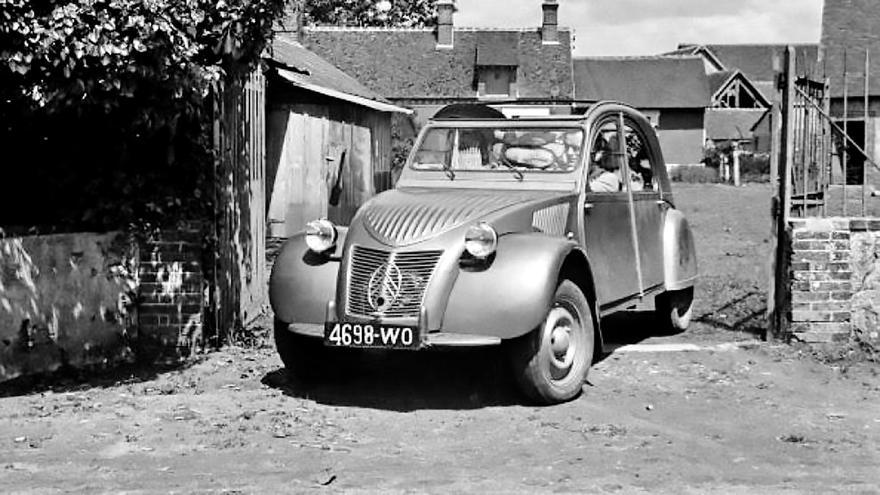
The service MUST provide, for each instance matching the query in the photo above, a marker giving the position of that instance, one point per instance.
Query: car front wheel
(551, 362)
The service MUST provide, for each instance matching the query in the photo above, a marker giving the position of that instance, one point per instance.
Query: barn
(328, 140)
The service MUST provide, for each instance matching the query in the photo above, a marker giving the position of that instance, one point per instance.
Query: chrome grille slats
(416, 269)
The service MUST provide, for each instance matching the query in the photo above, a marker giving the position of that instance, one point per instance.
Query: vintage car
(523, 232)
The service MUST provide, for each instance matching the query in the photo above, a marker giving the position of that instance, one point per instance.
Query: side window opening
(606, 161)
(640, 166)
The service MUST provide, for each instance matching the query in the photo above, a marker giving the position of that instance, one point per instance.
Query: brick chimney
(550, 24)
(445, 10)
(291, 21)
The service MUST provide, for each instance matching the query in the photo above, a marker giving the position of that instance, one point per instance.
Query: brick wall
(172, 294)
(834, 276)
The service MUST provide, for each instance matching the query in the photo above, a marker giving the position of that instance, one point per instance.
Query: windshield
(503, 149)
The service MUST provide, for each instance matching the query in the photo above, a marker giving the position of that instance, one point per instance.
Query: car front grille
(388, 284)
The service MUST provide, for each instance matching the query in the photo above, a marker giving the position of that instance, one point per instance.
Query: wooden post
(781, 288)
(736, 153)
(845, 132)
(826, 145)
(865, 138)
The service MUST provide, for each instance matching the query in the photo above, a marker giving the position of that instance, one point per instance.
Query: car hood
(406, 216)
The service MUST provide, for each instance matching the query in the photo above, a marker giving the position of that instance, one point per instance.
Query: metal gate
(238, 288)
(810, 158)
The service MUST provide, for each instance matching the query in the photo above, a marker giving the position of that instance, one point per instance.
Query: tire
(551, 362)
(674, 310)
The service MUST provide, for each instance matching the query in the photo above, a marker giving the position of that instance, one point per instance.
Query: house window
(496, 80)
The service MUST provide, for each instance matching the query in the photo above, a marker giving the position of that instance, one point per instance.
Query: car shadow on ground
(448, 379)
(404, 381)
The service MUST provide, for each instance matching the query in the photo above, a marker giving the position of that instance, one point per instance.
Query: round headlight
(320, 235)
(480, 240)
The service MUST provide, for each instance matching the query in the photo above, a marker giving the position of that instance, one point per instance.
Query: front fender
(511, 296)
(302, 282)
(679, 254)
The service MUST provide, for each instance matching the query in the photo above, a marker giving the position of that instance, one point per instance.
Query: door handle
(660, 202)
(588, 206)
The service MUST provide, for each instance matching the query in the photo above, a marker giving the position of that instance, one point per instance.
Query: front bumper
(431, 339)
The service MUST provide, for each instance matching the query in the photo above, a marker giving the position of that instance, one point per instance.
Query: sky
(650, 27)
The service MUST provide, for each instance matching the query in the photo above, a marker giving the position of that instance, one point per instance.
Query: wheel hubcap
(560, 327)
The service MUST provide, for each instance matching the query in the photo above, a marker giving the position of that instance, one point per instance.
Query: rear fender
(679, 254)
(511, 295)
(302, 282)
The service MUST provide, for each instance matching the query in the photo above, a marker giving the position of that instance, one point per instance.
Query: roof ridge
(427, 29)
(638, 57)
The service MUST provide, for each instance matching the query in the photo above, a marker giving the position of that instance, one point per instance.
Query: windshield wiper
(516, 171)
(448, 170)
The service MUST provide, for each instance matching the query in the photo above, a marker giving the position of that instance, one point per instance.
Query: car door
(609, 232)
(643, 168)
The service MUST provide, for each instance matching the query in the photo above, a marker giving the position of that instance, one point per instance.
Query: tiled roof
(852, 25)
(731, 123)
(644, 82)
(405, 63)
(497, 48)
(756, 61)
(315, 70)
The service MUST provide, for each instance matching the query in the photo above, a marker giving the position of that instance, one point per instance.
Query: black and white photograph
(440, 246)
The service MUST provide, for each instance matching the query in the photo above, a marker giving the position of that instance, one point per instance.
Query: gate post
(786, 150)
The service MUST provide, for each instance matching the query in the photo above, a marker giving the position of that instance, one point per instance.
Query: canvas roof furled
(724, 124)
(851, 25)
(406, 63)
(643, 82)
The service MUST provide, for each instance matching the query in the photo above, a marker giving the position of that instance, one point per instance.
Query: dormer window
(496, 63)
(496, 81)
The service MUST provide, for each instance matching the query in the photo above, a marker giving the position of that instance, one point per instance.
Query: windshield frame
(554, 123)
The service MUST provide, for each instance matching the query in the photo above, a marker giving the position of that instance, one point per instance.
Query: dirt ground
(713, 410)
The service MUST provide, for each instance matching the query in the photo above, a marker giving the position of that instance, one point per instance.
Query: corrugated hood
(406, 216)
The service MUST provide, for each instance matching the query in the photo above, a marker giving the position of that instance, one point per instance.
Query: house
(522, 71)
(328, 140)
(755, 61)
(849, 35)
(736, 105)
(673, 92)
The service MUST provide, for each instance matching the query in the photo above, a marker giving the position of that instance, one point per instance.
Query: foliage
(104, 52)
(755, 167)
(103, 103)
(380, 13)
(693, 174)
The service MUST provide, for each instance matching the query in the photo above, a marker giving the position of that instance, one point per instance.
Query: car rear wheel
(552, 362)
(674, 309)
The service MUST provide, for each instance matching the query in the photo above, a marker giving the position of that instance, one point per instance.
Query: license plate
(369, 335)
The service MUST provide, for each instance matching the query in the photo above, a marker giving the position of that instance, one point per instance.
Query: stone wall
(834, 276)
(88, 299)
(65, 299)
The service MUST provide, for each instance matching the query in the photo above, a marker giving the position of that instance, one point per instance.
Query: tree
(380, 13)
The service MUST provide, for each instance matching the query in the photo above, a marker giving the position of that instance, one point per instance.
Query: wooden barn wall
(311, 146)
